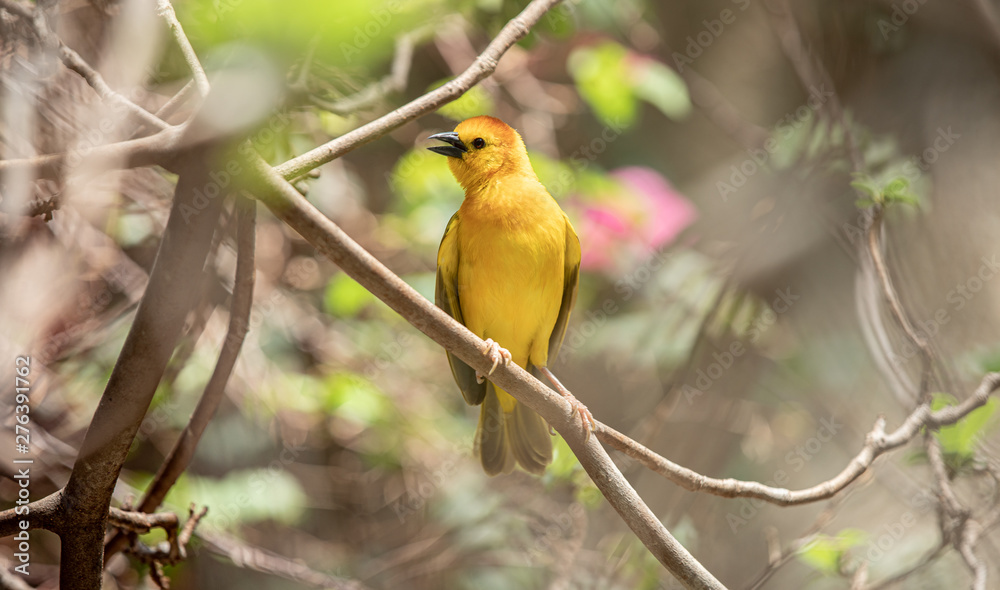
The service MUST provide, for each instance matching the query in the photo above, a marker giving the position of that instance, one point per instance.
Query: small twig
(778, 557)
(483, 66)
(171, 106)
(924, 561)
(166, 10)
(141, 522)
(169, 552)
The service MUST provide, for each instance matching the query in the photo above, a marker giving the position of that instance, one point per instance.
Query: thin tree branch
(239, 321)
(876, 443)
(171, 106)
(158, 149)
(483, 66)
(891, 296)
(72, 60)
(165, 9)
(289, 206)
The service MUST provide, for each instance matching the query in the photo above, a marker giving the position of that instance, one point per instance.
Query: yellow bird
(508, 269)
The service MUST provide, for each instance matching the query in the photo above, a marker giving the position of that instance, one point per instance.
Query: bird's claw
(586, 418)
(495, 353)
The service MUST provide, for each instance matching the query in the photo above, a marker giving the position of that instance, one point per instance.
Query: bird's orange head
(482, 148)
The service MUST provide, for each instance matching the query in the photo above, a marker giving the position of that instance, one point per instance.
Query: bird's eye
(478, 143)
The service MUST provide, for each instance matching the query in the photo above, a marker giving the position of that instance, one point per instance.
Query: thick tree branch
(239, 321)
(484, 65)
(151, 339)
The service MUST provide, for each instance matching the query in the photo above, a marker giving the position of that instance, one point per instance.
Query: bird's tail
(510, 433)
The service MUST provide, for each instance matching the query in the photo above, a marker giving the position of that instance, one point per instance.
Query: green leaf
(602, 78)
(960, 439)
(344, 297)
(825, 553)
(663, 88)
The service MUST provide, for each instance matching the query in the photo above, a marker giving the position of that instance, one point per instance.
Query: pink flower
(644, 215)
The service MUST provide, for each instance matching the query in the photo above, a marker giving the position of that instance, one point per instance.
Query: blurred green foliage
(612, 80)
(959, 440)
(827, 554)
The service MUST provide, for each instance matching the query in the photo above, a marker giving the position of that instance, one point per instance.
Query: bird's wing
(571, 279)
(446, 297)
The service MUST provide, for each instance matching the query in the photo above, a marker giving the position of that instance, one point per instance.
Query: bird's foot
(495, 353)
(586, 418)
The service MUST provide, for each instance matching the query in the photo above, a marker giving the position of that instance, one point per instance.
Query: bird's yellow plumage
(508, 269)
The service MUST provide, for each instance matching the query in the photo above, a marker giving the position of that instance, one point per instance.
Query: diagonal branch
(292, 208)
(166, 10)
(482, 67)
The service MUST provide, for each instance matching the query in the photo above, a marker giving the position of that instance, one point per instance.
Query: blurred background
(704, 152)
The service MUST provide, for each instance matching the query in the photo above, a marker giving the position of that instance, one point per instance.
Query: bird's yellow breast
(512, 245)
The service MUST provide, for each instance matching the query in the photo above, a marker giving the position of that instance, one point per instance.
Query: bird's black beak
(454, 150)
